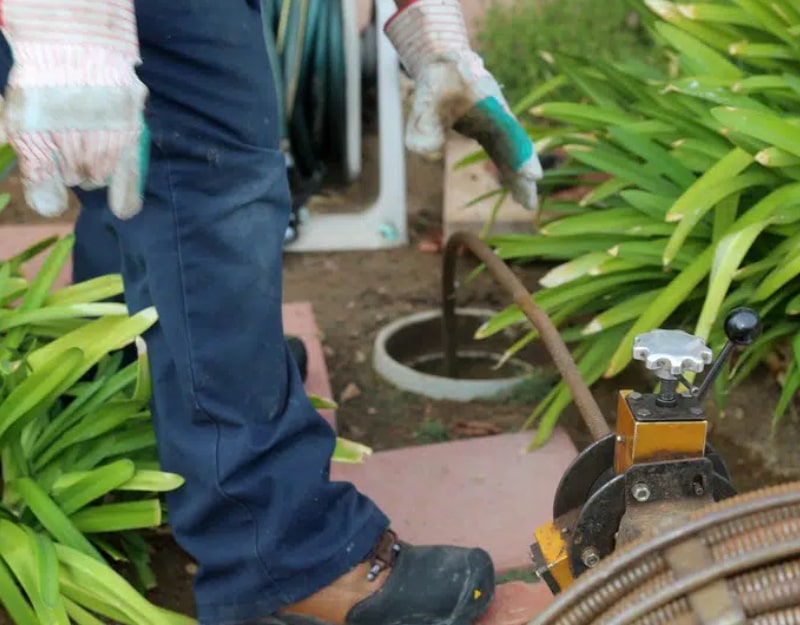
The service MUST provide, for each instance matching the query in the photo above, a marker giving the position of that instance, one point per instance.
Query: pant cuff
(291, 590)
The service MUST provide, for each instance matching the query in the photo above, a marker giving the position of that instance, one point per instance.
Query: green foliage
(694, 205)
(80, 472)
(515, 38)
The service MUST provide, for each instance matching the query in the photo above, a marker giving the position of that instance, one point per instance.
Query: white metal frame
(384, 223)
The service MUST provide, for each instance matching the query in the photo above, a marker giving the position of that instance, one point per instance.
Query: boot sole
(466, 612)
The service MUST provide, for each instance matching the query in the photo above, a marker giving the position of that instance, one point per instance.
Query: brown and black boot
(402, 584)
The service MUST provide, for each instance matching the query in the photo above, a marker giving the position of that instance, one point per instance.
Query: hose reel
(313, 52)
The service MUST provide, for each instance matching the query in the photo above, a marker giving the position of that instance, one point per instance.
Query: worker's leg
(97, 253)
(257, 511)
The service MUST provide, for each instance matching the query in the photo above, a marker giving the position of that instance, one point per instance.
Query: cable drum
(736, 561)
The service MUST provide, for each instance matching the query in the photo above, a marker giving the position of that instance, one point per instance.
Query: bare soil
(355, 294)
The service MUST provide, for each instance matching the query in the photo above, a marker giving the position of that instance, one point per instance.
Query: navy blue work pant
(258, 510)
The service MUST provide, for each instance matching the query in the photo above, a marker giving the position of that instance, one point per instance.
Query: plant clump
(690, 193)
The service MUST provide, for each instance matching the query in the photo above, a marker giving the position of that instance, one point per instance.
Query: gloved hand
(73, 108)
(454, 90)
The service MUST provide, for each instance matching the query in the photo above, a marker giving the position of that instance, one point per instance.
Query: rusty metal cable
(756, 555)
(766, 590)
(697, 579)
(781, 617)
(549, 334)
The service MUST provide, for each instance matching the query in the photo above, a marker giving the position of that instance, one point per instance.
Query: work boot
(402, 584)
(298, 350)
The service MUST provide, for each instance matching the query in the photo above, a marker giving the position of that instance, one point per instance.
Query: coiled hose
(305, 46)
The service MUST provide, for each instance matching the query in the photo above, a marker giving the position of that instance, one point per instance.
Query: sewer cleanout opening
(408, 353)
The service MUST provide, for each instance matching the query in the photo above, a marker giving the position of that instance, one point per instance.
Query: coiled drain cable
(755, 543)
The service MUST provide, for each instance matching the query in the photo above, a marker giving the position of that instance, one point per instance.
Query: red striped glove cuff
(426, 29)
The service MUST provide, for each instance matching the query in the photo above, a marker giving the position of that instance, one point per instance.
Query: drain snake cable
(550, 336)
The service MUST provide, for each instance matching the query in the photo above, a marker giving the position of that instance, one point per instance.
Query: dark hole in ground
(471, 366)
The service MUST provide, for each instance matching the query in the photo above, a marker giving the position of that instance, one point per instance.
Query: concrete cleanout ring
(408, 354)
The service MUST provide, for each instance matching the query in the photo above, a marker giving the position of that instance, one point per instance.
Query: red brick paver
(483, 491)
(298, 319)
(516, 603)
(15, 239)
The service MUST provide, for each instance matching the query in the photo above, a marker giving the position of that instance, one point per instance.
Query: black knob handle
(742, 326)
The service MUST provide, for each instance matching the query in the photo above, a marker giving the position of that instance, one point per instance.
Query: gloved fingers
(46, 195)
(507, 145)
(102, 150)
(523, 184)
(437, 102)
(41, 173)
(125, 189)
(425, 134)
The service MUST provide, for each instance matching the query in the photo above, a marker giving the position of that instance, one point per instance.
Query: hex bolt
(643, 412)
(640, 492)
(635, 396)
(590, 557)
(696, 411)
(699, 490)
(698, 486)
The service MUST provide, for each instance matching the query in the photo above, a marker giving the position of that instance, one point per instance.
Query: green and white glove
(73, 106)
(454, 90)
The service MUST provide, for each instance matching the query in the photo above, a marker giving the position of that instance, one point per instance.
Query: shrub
(514, 37)
(693, 203)
(80, 475)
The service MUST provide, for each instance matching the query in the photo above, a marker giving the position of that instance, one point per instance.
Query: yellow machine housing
(642, 436)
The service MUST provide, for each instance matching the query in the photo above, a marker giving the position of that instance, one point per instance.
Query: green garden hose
(305, 46)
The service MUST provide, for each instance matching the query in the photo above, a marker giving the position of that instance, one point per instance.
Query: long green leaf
(13, 319)
(40, 385)
(86, 572)
(700, 59)
(106, 419)
(777, 278)
(13, 601)
(21, 551)
(44, 555)
(94, 290)
(79, 615)
(118, 517)
(661, 308)
(73, 493)
(52, 518)
(766, 127)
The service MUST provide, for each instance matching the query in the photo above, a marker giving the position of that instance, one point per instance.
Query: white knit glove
(73, 109)
(454, 90)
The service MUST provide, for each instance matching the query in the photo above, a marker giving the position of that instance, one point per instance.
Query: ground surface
(355, 294)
